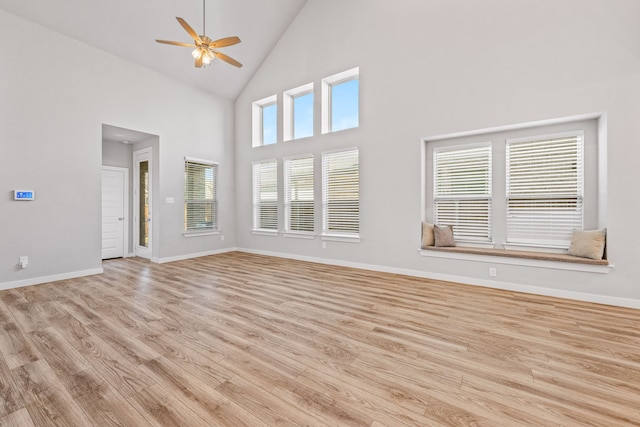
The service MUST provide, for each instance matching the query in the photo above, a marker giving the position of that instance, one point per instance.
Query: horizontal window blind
(545, 190)
(265, 195)
(341, 192)
(462, 191)
(200, 196)
(298, 188)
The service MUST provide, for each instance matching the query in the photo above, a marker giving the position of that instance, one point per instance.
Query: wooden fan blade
(175, 43)
(190, 30)
(227, 41)
(226, 58)
(199, 61)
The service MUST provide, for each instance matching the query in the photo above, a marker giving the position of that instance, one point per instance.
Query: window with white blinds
(544, 189)
(265, 195)
(462, 191)
(200, 195)
(341, 193)
(298, 197)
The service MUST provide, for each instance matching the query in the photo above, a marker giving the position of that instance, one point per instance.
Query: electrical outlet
(24, 261)
(222, 237)
(493, 272)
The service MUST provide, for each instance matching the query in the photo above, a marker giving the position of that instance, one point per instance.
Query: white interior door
(142, 197)
(114, 201)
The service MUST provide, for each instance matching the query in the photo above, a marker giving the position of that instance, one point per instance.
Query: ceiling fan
(204, 51)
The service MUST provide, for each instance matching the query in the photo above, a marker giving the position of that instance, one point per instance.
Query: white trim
(288, 99)
(521, 262)
(200, 233)
(201, 161)
(192, 255)
(602, 171)
(47, 279)
(325, 95)
(141, 155)
(578, 296)
(265, 232)
(256, 119)
(299, 235)
(538, 123)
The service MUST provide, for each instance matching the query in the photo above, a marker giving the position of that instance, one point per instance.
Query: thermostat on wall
(24, 195)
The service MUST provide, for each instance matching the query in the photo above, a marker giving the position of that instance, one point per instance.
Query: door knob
(120, 219)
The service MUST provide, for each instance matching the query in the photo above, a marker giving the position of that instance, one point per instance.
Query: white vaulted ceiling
(128, 29)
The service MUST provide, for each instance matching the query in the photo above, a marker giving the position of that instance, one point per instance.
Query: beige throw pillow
(588, 243)
(443, 236)
(427, 235)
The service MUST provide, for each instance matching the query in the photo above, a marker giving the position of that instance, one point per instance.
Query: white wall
(52, 107)
(433, 67)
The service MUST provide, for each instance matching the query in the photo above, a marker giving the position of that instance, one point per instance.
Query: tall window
(265, 121)
(341, 193)
(298, 198)
(544, 189)
(462, 191)
(265, 195)
(341, 101)
(298, 112)
(200, 195)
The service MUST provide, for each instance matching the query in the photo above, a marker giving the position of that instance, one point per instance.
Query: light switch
(168, 200)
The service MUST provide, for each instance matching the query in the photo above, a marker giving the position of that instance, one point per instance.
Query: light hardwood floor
(246, 340)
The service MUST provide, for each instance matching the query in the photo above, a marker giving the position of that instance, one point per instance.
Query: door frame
(142, 155)
(125, 196)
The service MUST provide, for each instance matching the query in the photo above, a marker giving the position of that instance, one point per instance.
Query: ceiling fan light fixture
(203, 52)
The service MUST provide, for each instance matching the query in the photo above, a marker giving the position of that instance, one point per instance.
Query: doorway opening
(129, 156)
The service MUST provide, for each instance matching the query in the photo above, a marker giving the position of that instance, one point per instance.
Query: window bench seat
(542, 256)
(520, 258)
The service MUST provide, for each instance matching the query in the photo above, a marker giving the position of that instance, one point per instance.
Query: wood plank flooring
(246, 340)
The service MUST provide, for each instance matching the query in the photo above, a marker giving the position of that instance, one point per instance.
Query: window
(462, 191)
(200, 195)
(265, 195)
(298, 198)
(341, 193)
(544, 189)
(298, 112)
(340, 101)
(265, 121)
(521, 187)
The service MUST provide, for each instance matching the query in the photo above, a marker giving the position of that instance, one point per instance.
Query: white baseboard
(579, 296)
(536, 290)
(193, 255)
(47, 279)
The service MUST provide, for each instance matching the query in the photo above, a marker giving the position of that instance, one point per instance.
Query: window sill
(340, 238)
(273, 233)
(200, 233)
(520, 258)
(299, 235)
